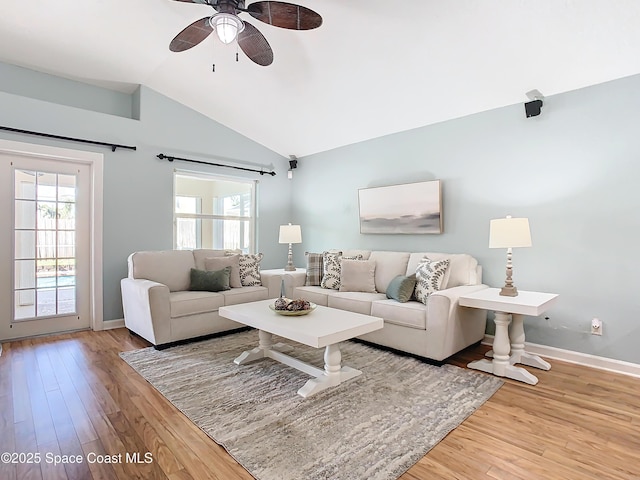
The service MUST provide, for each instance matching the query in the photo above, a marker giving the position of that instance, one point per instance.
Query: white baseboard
(585, 359)
(111, 324)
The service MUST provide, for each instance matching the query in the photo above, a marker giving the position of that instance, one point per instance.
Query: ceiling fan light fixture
(227, 26)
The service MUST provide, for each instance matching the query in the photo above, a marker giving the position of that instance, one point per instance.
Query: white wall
(574, 171)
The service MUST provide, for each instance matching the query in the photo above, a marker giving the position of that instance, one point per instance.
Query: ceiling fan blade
(285, 15)
(255, 46)
(191, 36)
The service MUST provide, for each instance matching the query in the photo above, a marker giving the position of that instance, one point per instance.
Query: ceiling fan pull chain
(213, 69)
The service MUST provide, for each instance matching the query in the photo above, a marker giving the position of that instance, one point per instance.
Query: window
(213, 212)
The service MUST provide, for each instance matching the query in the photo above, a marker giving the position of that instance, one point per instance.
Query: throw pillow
(357, 276)
(204, 281)
(314, 268)
(250, 270)
(218, 263)
(331, 269)
(429, 275)
(401, 288)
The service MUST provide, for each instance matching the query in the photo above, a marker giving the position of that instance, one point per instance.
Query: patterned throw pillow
(429, 275)
(250, 270)
(314, 268)
(331, 269)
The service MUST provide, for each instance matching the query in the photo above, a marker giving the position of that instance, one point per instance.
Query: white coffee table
(509, 339)
(324, 327)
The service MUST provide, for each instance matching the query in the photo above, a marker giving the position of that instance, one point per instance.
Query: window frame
(252, 212)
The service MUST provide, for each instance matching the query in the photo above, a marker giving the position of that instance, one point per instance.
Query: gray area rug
(375, 426)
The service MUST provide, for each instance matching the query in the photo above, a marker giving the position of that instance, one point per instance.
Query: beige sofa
(435, 330)
(159, 306)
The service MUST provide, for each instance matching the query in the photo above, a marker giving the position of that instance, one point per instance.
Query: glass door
(50, 246)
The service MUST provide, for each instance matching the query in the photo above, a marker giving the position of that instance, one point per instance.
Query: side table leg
(518, 355)
(501, 348)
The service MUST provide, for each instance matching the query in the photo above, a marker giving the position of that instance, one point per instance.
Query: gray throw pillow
(204, 281)
(401, 288)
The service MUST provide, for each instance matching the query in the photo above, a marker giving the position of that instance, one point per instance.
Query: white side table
(508, 342)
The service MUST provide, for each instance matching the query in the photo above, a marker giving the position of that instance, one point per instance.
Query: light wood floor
(72, 395)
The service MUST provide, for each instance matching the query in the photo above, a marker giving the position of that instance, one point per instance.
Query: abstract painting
(412, 208)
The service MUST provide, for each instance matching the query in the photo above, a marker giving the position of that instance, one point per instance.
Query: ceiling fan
(229, 26)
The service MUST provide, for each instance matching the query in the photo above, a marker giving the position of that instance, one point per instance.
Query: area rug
(373, 427)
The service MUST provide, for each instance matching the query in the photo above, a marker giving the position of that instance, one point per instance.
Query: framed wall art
(412, 208)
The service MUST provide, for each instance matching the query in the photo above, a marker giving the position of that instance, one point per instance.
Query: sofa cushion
(191, 303)
(315, 294)
(411, 314)
(218, 263)
(357, 302)
(169, 267)
(401, 288)
(245, 295)
(216, 281)
(388, 266)
(200, 255)
(357, 276)
(250, 270)
(429, 276)
(314, 268)
(364, 254)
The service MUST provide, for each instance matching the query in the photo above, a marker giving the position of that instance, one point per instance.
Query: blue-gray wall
(573, 171)
(138, 187)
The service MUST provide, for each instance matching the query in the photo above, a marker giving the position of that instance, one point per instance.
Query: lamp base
(289, 268)
(509, 291)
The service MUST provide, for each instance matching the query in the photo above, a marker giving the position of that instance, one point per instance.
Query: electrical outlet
(596, 326)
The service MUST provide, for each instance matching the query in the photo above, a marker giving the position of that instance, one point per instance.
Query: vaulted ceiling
(373, 68)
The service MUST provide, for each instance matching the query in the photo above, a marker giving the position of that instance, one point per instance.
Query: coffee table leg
(261, 351)
(334, 373)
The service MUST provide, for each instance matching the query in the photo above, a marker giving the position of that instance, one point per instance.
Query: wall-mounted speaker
(533, 108)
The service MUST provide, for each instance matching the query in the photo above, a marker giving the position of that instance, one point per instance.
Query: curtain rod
(70, 139)
(162, 156)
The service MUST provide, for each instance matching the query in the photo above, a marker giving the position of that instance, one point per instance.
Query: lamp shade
(509, 232)
(227, 26)
(290, 234)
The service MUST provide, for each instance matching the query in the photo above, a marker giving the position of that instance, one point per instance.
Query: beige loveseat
(159, 306)
(435, 330)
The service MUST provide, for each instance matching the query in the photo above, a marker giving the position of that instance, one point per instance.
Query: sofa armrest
(292, 280)
(147, 310)
(454, 293)
(272, 279)
(448, 324)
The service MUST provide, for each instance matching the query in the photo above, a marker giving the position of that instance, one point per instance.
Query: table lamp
(509, 233)
(290, 234)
